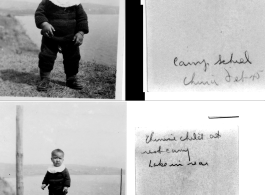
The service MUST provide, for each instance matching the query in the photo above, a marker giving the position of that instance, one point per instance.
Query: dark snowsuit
(57, 181)
(66, 22)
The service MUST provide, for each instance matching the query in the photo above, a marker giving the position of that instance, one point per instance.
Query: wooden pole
(19, 152)
(121, 183)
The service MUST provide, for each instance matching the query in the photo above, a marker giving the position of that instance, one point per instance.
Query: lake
(100, 44)
(80, 185)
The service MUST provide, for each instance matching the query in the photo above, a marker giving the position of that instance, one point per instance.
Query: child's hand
(43, 186)
(78, 38)
(47, 29)
(65, 190)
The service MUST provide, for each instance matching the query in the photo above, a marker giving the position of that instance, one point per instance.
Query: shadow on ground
(98, 83)
(30, 78)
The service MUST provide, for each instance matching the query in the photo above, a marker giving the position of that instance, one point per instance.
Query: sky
(92, 134)
(103, 2)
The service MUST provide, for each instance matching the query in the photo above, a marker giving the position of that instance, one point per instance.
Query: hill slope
(19, 69)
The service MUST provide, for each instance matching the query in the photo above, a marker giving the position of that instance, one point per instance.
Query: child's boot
(74, 83)
(45, 81)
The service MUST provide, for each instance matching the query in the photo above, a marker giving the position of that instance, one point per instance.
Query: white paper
(187, 161)
(235, 160)
(205, 47)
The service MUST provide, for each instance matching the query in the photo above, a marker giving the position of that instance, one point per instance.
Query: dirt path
(19, 69)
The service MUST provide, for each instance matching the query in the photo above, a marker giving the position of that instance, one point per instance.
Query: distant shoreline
(98, 46)
(20, 9)
(8, 170)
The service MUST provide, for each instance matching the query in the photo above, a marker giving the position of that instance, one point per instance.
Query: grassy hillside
(19, 69)
(9, 170)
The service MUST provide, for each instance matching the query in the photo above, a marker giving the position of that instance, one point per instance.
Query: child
(63, 24)
(57, 176)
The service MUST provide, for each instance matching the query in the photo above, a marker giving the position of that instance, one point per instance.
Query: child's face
(57, 159)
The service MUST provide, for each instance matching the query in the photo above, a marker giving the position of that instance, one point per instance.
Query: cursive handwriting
(170, 152)
(159, 151)
(198, 82)
(151, 139)
(241, 61)
(215, 136)
(194, 136)
(160, 164)
(242, 77)
(220, 61)
(200, 163)
(181, 63)
(165, 164)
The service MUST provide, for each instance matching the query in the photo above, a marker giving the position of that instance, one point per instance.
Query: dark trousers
(58, 192)
(48, 54)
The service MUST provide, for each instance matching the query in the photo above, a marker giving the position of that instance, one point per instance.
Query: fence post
(121, 183)
(19, 151)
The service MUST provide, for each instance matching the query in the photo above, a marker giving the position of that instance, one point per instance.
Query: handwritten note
(205, 45)
(187, 161)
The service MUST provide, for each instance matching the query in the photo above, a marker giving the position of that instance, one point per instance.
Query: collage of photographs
(68, 126)
(62, 103)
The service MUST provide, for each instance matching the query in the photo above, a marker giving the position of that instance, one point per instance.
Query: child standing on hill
(57, 176)
(63, 24)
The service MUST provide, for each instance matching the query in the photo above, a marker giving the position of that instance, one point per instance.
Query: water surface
(80, 185)
(100, 45)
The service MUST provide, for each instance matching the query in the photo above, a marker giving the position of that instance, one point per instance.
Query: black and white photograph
(62, 48)
(63, 148)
